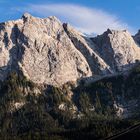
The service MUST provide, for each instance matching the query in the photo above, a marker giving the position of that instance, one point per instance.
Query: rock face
(49, 52)
(117, 48)
(42, 50)
(137, 38)
(86, 46)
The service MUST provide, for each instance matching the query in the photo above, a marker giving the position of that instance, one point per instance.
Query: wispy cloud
(87, 20)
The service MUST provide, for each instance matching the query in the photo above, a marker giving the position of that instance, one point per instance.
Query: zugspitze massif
(56, 83)
(49, 52)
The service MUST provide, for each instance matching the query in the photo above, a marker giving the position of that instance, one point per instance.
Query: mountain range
(57, 83)
(53, 53)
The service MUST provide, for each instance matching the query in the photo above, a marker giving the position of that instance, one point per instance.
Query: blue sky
(88, 16)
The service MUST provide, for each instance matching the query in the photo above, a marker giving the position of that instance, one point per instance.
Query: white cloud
(87, 20)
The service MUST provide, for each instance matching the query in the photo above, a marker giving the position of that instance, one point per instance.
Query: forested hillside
(97, 110)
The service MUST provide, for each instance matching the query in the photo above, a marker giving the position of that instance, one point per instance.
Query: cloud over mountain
(87, 20)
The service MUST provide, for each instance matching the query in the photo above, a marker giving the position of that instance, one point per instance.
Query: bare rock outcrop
(117, 49)
(49, 52)
(42, 50)
(86, 46)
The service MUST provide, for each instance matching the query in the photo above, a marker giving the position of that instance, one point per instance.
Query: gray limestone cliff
(41, 49)
(47, 51)
(118, 49)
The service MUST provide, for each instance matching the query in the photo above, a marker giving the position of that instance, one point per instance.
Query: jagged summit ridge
(26, 15)
(117, 48)
(41, 49)
(50, 52)
(88, 49)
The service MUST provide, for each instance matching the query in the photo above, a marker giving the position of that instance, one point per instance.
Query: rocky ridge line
(50, 52)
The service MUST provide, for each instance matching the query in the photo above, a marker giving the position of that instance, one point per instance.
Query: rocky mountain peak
(41, 49)
(49, 52)
(117, 48)
(26, 15)
(86, 46)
